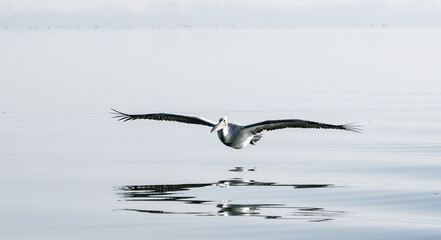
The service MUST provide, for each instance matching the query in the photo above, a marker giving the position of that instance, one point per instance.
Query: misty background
(221, 13)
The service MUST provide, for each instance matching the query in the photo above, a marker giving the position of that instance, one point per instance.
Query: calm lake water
(70, 171)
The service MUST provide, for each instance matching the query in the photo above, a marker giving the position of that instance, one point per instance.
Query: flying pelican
(233, 134)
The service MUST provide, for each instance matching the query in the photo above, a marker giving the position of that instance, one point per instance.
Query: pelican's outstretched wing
(270, 125)
(163, 117)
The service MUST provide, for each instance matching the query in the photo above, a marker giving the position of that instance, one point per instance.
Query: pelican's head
(223, 122)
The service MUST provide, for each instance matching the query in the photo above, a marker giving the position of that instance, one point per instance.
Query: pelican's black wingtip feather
(121, 116)
(353, 127)
(127, 119)
(117, 112)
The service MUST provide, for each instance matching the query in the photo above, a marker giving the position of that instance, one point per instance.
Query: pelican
(235, 135)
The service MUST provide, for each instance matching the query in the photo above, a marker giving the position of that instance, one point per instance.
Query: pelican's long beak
(218, 127)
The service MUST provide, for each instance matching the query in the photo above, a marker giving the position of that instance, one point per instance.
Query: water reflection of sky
(182, 193)
(61, 152)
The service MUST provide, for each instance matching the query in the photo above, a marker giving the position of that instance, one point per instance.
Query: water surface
(70, 171)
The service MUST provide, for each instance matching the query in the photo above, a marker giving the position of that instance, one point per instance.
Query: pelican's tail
(255, 139)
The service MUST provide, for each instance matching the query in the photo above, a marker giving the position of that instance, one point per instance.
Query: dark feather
(255, 139)
(270, 125)
(163, 117)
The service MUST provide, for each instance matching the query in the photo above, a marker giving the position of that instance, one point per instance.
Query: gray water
(71, 171)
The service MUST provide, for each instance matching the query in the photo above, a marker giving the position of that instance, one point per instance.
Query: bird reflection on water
(176, 193)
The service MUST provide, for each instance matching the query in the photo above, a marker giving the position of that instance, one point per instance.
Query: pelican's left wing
(270, 125)
(163, 117)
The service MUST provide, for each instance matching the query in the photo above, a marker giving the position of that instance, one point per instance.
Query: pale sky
(270, 12)
(139, 5)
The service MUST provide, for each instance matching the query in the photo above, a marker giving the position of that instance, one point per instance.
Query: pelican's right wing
(270, 125)
(163, 117)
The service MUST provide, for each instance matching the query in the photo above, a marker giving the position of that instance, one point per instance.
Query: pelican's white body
(233, 135)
